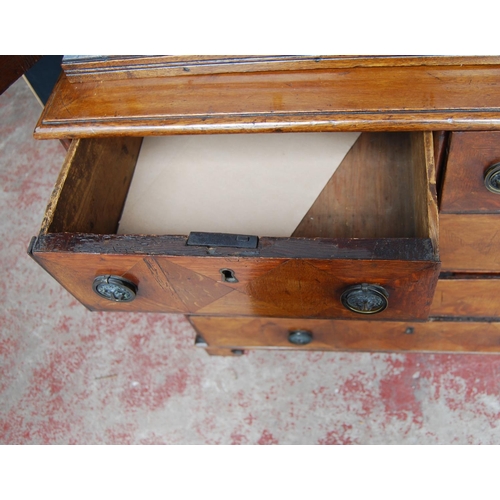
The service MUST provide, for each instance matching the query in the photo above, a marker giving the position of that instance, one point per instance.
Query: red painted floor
(71, 376)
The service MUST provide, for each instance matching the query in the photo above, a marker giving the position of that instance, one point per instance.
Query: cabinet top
(344, 94)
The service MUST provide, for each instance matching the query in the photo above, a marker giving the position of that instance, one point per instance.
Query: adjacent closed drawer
(470, 204)
(469, 296)
(473, 159)
(342, 335)
(470, 242)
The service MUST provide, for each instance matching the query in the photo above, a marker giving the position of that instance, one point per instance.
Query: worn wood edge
(432, 201)
(122, 67)
(408, 249)
(58, 188)
(214, 351)
(418, 168)
(224, 350)
(384, 121)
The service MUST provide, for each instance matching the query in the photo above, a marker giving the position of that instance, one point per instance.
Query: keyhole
(228, 276)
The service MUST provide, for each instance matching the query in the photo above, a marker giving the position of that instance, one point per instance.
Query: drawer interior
(369, 185)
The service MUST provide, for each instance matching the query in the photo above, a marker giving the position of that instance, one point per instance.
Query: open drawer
(365, 246)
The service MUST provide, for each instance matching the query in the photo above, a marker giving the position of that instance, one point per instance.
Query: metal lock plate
(222, 240)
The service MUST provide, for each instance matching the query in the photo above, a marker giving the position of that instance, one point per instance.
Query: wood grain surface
(266, 287)
(406, 249)
(467, 297)
(360, 199)
(92, 186)
(423, 170)
(471, 153)
(385, 336)
(470, 243)
(89, 68)
(361, 99)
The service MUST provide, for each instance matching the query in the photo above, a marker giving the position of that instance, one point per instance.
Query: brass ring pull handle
(365, 298)
(114, 288)
(492, 178)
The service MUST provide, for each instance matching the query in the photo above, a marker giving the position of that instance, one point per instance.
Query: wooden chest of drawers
(359, 270)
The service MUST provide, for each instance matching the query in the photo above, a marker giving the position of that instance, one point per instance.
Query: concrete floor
(71, 376)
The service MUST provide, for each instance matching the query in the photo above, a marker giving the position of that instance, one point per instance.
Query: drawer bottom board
(346, 335)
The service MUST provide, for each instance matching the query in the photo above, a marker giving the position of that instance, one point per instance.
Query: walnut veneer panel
(471, 297)
(384, 336)
(266, 287)
(470, 155)
(469, 242)
(362, 99)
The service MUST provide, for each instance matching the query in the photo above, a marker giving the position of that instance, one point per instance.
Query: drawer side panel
(91, 189)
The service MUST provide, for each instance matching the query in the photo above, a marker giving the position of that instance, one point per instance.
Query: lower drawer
(344, 335)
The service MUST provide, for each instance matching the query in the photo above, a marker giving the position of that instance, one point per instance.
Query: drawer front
(470, 243)
(467, 298)
(471, 154)
(341, 335)
(263, 286)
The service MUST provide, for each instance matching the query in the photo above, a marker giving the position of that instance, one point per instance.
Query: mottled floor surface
(71, 376)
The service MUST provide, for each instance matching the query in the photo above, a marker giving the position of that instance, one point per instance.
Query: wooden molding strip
(362, 98)
(93, 68)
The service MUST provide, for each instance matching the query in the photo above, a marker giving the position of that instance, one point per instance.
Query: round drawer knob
(492, 178)
(300, 337)
(115, 288)
(365, 299)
